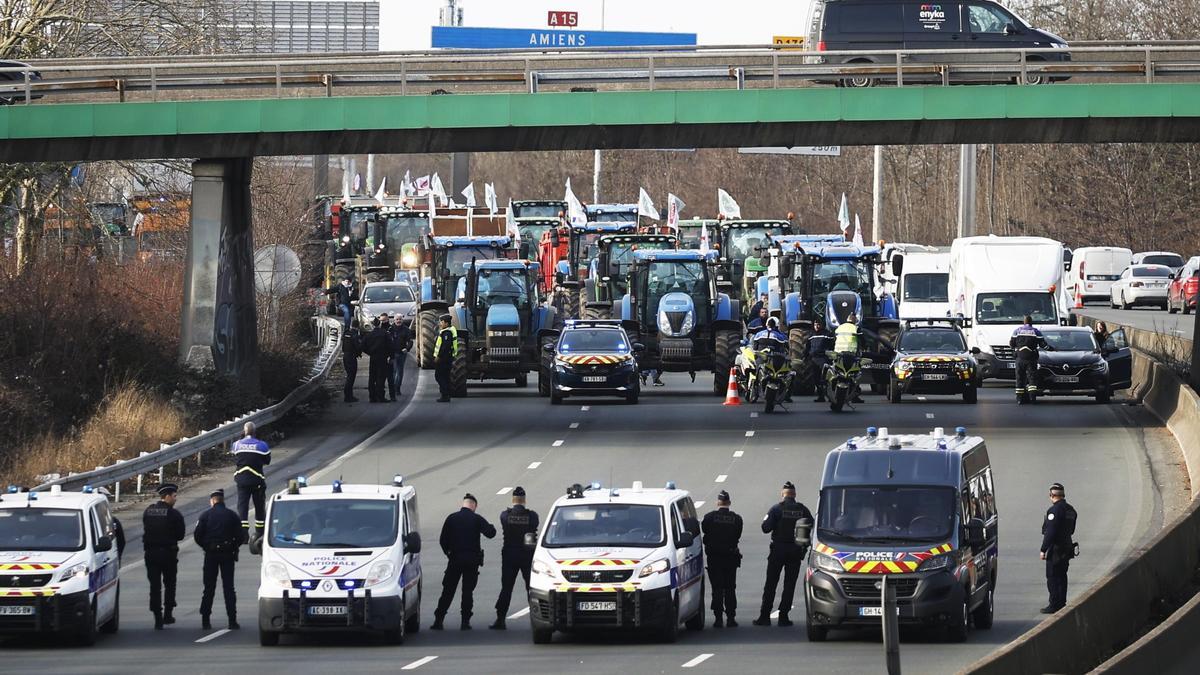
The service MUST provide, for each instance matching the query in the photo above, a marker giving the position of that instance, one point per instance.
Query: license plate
(1010, 366)
(18, 610)
(870, 611)
(327, 610)
(597, 606)
(1066, 379)
(594, 378)
(934, 376)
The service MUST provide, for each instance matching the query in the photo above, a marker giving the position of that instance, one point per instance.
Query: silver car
(386, 297)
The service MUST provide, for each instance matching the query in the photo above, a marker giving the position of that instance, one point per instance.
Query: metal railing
(737, 66)
(329, 332)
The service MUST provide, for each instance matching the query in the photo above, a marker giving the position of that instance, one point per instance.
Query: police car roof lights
(87, 489)
(893, 443)
(302, 481)
(13, 489)
(851, 445)
(398, 480)
(337, 486)
(961, 432)
(872, 432)
(637, 485)
(938, 432)
(670, 485)
(575, 491)
(595, 485)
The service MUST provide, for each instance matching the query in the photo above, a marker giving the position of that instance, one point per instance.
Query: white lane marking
(753, 415)
(697, 661)
(557, 443)
(212, 636)
(408, 410)
(574, 425)
(585, 408)
(920, 398)
(738, 453)
(699, 503)
(721, 478)
(749, 434)
(533, 465)
(928, 416)
(519, 614)
(504, 490)
(418, 663)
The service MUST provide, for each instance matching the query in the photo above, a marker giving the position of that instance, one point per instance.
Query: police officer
(460, 543)
(444, 352)
(1057, 547)
(722, 530)
(1026, 340)
(162, 530)
(786, 555)
(252, 456)
(515, 522)
(818, 348)
(352, 348)
(219, 534)
(378, 347)
(400, 338)
(845, 345)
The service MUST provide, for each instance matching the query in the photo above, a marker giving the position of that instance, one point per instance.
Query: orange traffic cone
(731, 394)
(1078, 299)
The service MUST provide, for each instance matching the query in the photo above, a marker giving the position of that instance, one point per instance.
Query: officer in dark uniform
(1026, 340)
(460, 543)
(786, 555)
(219, 534)
(378, 347)
(444, 351)
(1057, 547)
(819, 345)
(722, 532)
(253, 456)
(515, 522)
(162, 530)
(352, 348)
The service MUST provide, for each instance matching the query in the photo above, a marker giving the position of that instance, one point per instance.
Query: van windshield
(33, 529)
(330, 523)
(927, 287)
(871, 513)
(1001, 308)
(635, 525)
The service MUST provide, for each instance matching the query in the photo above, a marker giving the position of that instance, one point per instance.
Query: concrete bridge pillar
(219, 324)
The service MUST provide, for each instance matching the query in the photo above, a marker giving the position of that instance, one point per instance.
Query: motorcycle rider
(771, 331)
(845, 345)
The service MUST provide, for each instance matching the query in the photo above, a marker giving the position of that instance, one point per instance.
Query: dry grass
(129, 420)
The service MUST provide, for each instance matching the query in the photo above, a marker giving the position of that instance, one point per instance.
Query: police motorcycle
(841, 378)
(763, 371)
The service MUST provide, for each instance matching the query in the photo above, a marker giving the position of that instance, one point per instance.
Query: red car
(1184, 288)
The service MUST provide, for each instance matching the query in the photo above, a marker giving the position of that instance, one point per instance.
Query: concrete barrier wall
(1107, 618)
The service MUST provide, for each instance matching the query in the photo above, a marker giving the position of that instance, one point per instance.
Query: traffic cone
(1078, 299)
(731, 394)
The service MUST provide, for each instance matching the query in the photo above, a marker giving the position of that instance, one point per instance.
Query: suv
(932, 358)
(888, 26)
(59, 554)
(591, 358)
(628, 558)
(918, 508)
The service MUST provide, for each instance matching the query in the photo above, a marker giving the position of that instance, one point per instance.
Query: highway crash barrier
(326, 330)
(1100, 629)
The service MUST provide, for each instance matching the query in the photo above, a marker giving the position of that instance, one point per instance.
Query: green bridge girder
(607, 119)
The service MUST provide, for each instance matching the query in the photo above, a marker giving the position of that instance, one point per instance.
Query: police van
(340, 557)
(919, 509)
(59, 563)
(618, 558)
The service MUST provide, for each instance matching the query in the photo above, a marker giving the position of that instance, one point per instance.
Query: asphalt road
(1146, 318)
(501, 437)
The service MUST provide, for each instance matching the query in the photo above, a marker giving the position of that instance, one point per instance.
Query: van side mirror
(803, 533)
(531, 539)
(975, 532)
(686, 539)
(256, 546)
(104, 543)
(412, 542)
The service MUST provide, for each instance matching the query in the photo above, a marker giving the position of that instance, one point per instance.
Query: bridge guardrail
(329, 333)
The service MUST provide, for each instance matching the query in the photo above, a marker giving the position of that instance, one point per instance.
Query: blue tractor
(501, 323)
(445, 263)
(607, 280)
(824, 277)
(673, 308)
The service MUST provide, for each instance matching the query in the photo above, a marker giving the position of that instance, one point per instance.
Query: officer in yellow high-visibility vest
(846, 337)
(444, 352)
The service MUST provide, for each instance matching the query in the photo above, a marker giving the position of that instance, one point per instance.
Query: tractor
(565, 254)
(612, 213)
(741, 244)
(673, 308)
(608, 273)
(533, 218)
(689, 231)
(401, 230)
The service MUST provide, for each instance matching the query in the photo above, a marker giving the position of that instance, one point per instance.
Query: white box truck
(997, 281)
(924, 285)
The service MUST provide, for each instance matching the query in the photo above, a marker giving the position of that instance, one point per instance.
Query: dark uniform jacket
(460, 535)
(515, 522)
(400, 338)
(352, 344)
(1026, 341)
(445, 355)
(377, 344)
(1057, 529)
(722, 532)
(818, 345)
(219, 530)
(162, 527)
(253, 456)
(780, 522)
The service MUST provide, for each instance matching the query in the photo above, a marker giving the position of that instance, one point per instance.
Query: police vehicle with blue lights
(591, 358)
(59, 563)
(340, 557)
(919, 509)
(618, 558)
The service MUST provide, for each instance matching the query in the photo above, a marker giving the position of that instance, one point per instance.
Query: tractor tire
(596, 312)
(804, 383)
(724, 352)
(570, 303)
(544, 368)
(458, 372)
(427, 332)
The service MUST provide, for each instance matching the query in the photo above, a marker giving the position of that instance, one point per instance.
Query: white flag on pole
(674, 208)
(726, 206)
(489, 197)
(646, 205)
(436, 188)
(858, 233)
(346, 188)
(468, 193)
(844, 215)
(704, 249)
(576, 215)
(422, 185)
(357, 182)
(510, 221)
(381, 193)
(406, 186)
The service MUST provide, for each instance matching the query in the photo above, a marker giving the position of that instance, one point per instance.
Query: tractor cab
(741, 244)
(402, 231)
(609, 270)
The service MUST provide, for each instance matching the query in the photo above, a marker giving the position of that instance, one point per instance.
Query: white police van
(340, 557)
(619, 558)
(59, 565)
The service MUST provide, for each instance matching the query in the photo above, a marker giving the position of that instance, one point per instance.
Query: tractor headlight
(409, 259)
(689, 322)
(664, 324)
(827, 563)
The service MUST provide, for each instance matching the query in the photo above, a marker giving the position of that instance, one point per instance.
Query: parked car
(1141, 285)
(1181, 294)
(391, 297)
(1077, 364)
